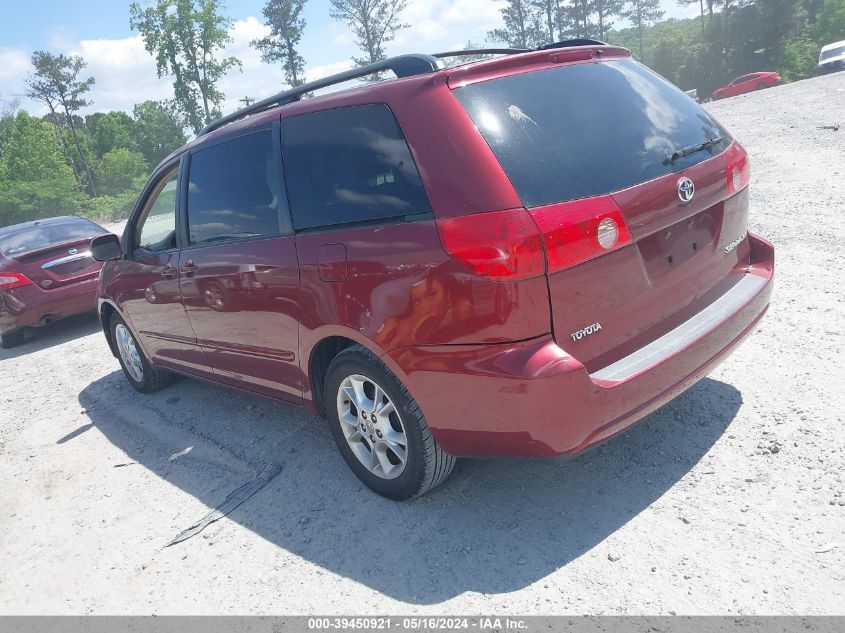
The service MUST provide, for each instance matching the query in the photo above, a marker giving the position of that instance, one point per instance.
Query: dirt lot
(731, 499)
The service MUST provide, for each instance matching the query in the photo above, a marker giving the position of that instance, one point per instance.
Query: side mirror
(106, 248)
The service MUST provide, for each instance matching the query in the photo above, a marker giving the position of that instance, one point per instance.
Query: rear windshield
(833, 52)
(32, 238)
(587, 129)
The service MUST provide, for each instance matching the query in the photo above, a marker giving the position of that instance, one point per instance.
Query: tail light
(737, 168)
(511, 244)
(13, 280)
(575, 232)
(499, 245)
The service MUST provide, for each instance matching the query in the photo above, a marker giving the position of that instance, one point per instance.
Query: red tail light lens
(577, 231)
(737, 167)
(498, 245)
(13, 280)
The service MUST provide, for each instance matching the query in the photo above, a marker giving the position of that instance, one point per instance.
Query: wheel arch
(105, 311)
(325, 345)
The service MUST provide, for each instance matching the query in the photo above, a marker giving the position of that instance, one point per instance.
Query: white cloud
(445, 20)
(14, 65)
(124, 71)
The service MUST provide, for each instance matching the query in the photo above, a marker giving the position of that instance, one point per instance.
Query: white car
(832, 58)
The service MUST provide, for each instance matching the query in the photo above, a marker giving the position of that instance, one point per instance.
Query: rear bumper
(29, 305)
(533, 399)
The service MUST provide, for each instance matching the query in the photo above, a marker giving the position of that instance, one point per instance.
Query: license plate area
(669, 248)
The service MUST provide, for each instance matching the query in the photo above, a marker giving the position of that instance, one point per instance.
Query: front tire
(11, 339)
(134, 363)
(379, 428)
(762, 86)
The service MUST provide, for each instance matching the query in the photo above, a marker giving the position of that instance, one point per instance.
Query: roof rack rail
(581, 41)
(402, 66)
(482, 51)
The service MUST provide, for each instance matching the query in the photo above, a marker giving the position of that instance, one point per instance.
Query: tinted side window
(156, 228)
(349, 165)
(234, 190)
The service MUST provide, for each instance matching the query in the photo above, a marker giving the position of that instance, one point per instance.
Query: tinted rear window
(33, 238)
(587, 129)
(833, 52)
(349, 165)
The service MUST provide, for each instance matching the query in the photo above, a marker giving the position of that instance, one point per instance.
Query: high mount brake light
(13, 280)
(509, 245)
(737, 168)
(578, 231)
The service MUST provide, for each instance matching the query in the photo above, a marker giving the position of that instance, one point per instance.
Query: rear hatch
(588, 141)
(53, 255)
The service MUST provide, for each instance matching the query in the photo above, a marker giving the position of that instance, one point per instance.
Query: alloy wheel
(129, 353)
(372, 426)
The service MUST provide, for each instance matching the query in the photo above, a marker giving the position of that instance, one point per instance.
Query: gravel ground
(731, 499)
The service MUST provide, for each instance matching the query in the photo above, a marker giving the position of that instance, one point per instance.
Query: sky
(125, 72)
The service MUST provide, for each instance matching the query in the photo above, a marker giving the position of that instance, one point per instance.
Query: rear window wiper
(692, 149)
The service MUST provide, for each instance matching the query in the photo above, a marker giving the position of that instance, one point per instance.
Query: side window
(156, 227)
(234, 190)
(347, 165)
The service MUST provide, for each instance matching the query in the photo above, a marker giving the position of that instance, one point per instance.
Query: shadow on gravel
(495, 527)
(41, 338)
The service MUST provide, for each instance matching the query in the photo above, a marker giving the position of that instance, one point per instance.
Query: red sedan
(46, 274)
(747, 83)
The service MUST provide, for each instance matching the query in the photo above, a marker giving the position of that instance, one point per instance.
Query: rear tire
(133, 362)
(11, 339)
(762, 86)
(376, 423)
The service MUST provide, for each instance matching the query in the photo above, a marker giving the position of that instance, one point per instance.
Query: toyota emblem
(72, 251)
(686, 189)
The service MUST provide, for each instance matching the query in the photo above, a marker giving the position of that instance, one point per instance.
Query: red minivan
(519, 256)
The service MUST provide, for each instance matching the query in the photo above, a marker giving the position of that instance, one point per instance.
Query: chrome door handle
(168, 272)
(188, 268)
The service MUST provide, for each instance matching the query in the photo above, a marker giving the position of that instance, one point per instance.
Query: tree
(373, 23)
(35, 179)
(120, 170)
(56, 83)
(110, 130)
(8, 109)
(550, 10)
(579, 15)
(158, 130)
(522, 25)
(605, 10)
(185, 37)
(284, 17)
(642, 14)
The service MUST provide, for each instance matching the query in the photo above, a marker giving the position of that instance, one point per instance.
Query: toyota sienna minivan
(521, 256)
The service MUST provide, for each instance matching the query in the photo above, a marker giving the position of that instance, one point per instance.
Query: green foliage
(31, 153)
(121, 169)
(185, 37)
(111, 208)
(799, 59)
(374, 23)
(158, 130)
(642, 14)
(284, 17)
(35, 180)
(55, 82)
(111, 130)
(829, 25)
(523, 25)
(744, 36)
